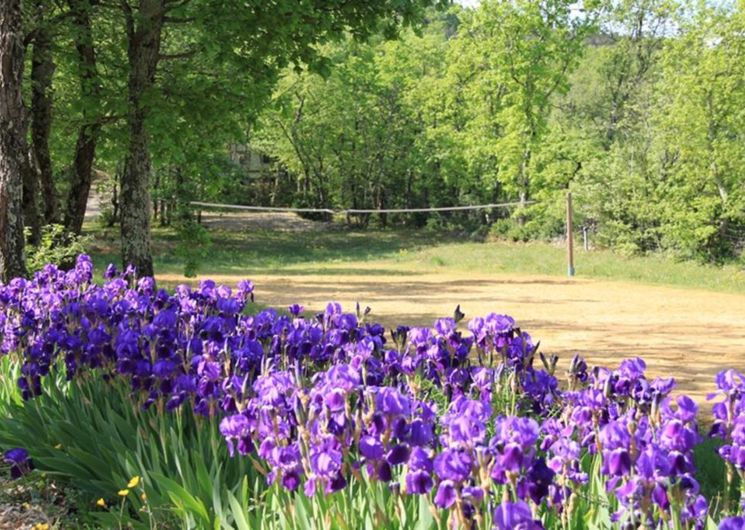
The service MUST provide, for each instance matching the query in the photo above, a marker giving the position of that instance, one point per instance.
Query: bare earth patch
(686, 333)
(238, 221)
(29, 502)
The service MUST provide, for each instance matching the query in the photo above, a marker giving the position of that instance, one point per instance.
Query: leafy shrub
(186, 473)
(107, 217)
(57, 246)
(194, 244)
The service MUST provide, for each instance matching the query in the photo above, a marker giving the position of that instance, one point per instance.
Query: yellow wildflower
(41, 526)
(123, 493)
(134, 481)
(100, 502)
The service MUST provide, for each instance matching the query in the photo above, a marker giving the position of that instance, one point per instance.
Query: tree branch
(173, 56)
(179, 20)
(31, 35)
(128, 18)
(170, 5)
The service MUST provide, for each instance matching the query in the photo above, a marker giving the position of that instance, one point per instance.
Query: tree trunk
(12, 141)
(163, 212)
(143, 36)
(383, 217)
(42, 71)
(85, 146)
(82, 178)
(181, 205)
(115, 200)
(156, 192)
(523, 183)
(31, 213)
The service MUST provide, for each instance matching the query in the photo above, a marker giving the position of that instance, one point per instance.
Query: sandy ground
(686, 333)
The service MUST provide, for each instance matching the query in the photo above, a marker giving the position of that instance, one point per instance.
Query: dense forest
(636, 106)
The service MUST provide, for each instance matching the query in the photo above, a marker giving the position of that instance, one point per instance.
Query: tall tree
(90, 126)
(30, 195)
(144, 25)
(526, 49)
(257, 36)
(42, 72)
(373, 132)
(13, 149)
(638, 28)
(700, 136)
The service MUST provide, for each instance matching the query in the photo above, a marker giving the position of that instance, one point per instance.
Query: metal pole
(570, 240)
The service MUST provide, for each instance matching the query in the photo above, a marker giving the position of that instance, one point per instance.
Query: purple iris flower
(420, 432)
(618, 462)
(454, 465)
(326, 463)
(371, 448)
(446, 494)
(398, 454)
(732, 523)
(515, 516)
(236, 428)
(499, 324)
(539, 479)
(295, 310)
(19, 461)
(343, 376)
(390, 401)
(336, 400)
(318, 400)
(420, 459)
(419, 482)
(445, 326)
(110, 272)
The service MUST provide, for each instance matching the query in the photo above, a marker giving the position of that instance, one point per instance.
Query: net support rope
(357, 210)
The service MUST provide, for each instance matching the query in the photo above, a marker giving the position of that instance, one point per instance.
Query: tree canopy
(636, 106)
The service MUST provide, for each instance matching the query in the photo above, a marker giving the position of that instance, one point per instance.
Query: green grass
(401, 252)
(544, 258)
(265, 250)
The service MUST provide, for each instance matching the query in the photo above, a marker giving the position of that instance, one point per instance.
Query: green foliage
(194, 245)
(712, 475)
(57, 246)
(9, 392)
(380, 131)
(634, 106)
(96, 439)
(701, 125)
(523, 52)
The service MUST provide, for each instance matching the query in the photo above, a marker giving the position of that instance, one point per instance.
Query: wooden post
(585, 238)
(570, 239)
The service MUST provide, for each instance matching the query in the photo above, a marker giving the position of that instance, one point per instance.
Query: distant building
(254, 163)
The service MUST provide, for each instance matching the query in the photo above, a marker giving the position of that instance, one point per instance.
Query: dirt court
(688, 334)
(685, 333)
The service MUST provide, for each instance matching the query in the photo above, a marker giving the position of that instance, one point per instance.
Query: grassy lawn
(403, 252)
(544, 258)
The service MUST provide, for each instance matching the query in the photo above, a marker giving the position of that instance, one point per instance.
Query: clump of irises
(473, 419)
